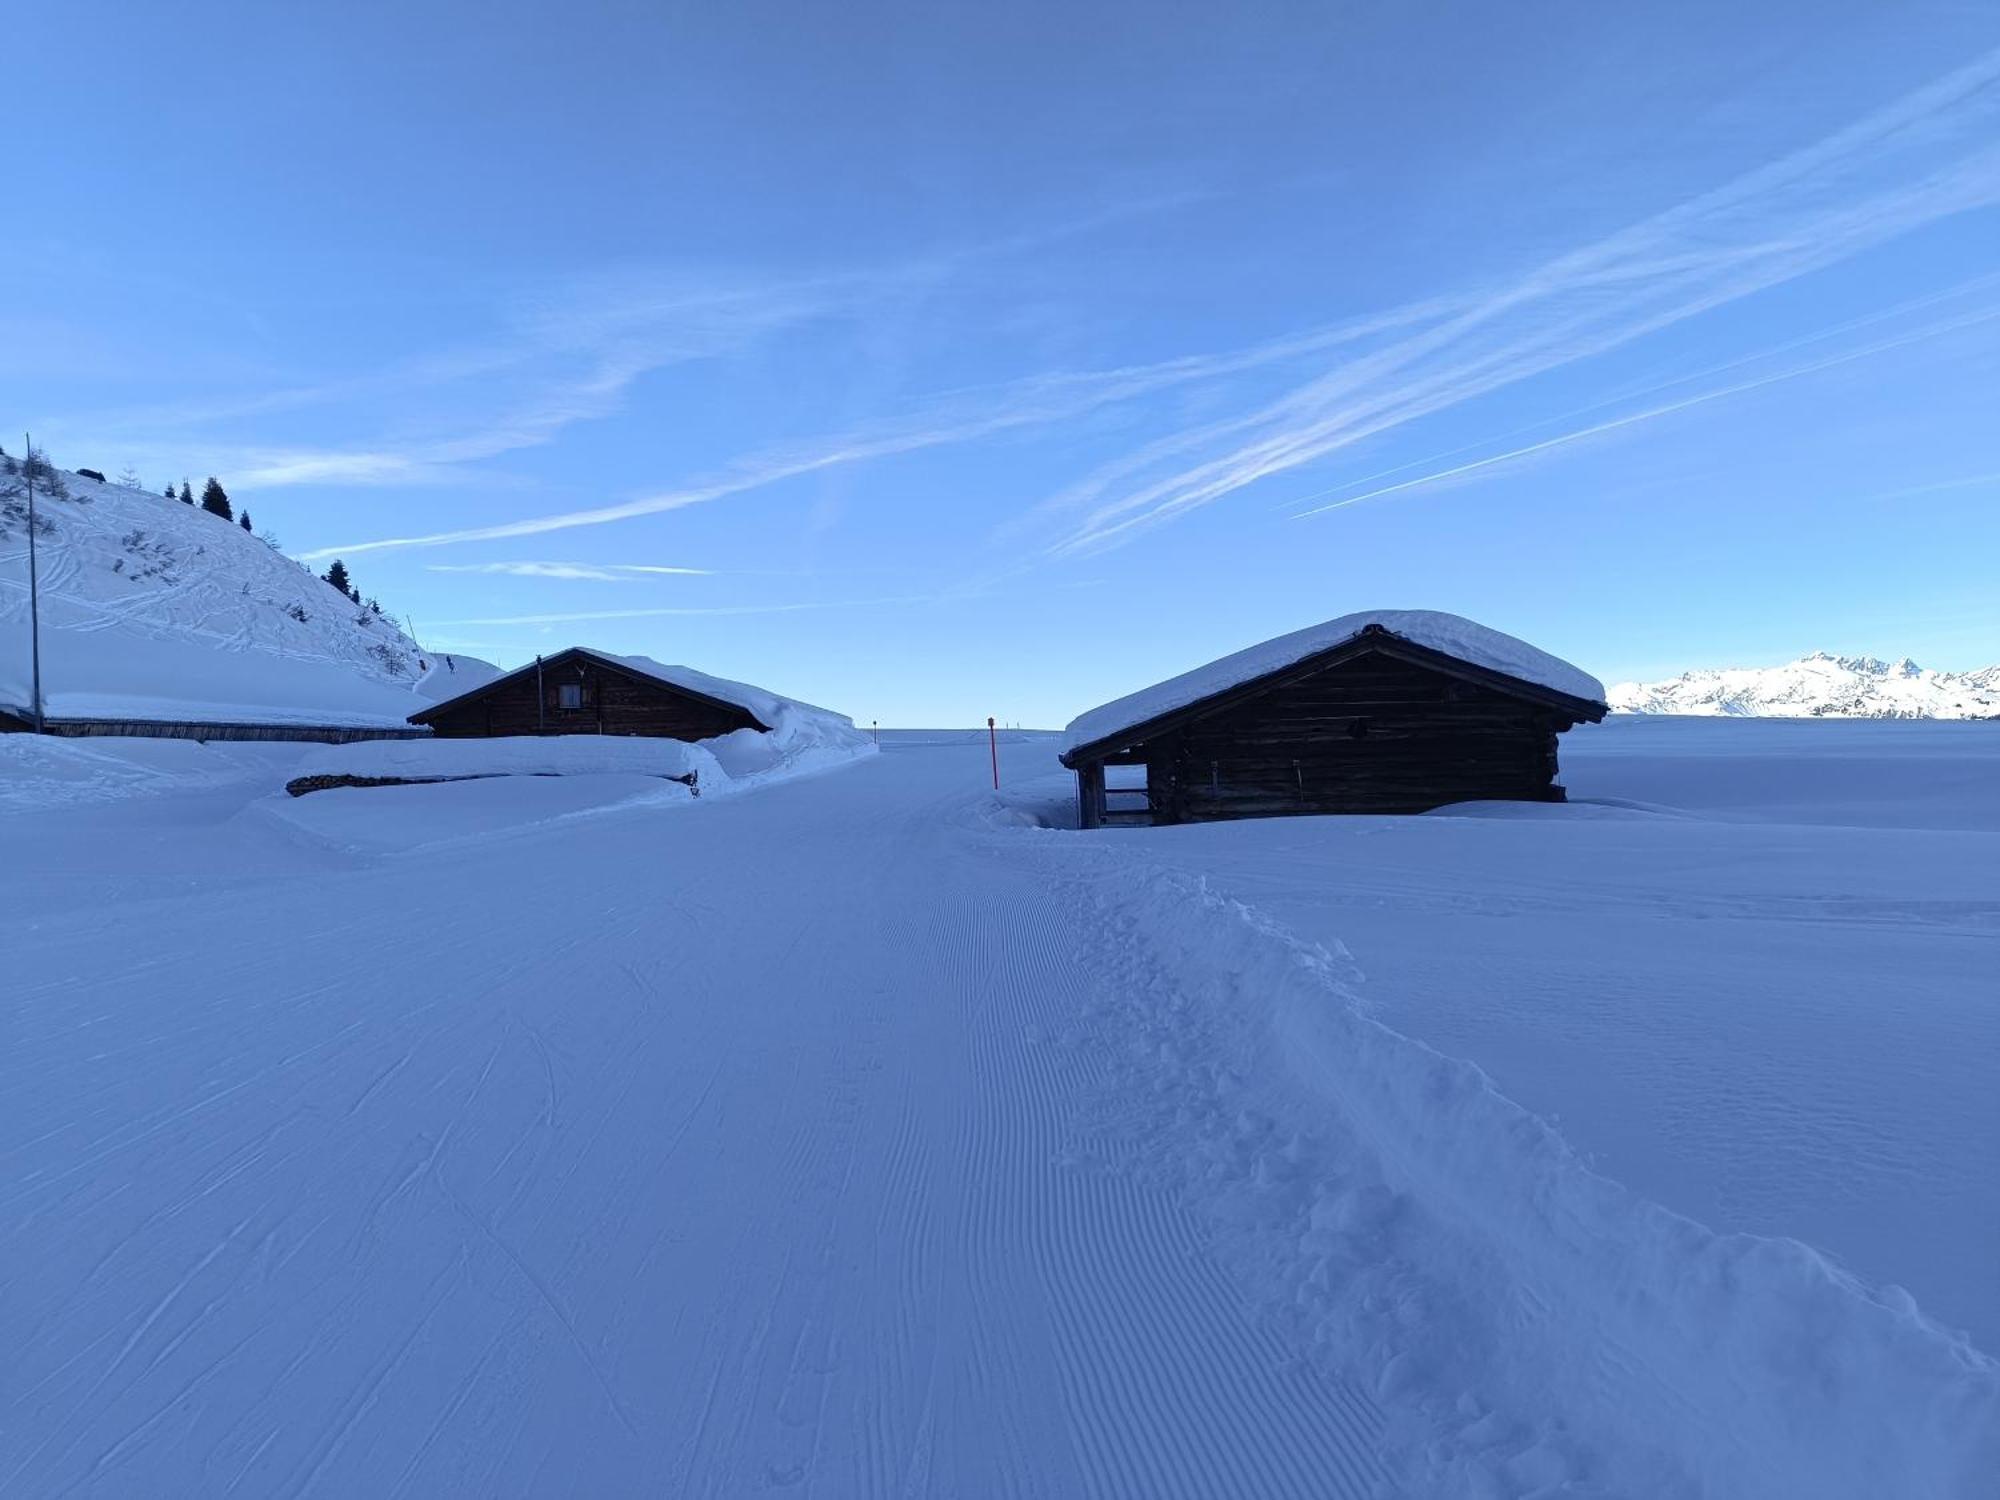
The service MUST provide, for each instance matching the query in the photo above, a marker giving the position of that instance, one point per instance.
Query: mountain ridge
(1819, 685)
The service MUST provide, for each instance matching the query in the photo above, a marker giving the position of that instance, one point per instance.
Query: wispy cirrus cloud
(560, 353)
(568, 617)
(571, 372)
(956, 417)
(601, 572)
(1652, 413)
(1928, 156)
(1933, 154)
(567, 351)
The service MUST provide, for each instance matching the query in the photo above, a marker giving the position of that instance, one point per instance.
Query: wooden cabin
(1395, 712)
(581, 691)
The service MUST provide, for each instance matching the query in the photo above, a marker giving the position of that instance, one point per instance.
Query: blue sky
(981, 359)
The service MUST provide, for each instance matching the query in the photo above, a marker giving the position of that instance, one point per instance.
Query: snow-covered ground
(156, 610)
(865, 1135)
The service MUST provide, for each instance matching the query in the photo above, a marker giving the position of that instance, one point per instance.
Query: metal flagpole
(34, 584)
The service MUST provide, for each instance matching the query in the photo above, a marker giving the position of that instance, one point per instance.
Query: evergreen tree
(244, 521)
(337, 576)
(215, 501)
(169, 490)
(187, 495)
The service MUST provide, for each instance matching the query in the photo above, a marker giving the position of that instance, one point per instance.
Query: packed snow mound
(794, 724)
(730, 762)
(551, 755)
(1387, 1201)
(1452, 634)
(152, 609)
(1820, 686)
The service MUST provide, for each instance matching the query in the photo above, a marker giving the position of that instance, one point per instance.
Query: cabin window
(569, 695)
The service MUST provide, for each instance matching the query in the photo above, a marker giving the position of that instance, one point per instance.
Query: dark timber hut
(1391, 711)
(581, 691)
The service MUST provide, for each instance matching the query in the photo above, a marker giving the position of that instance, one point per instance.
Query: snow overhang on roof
(1448, 635)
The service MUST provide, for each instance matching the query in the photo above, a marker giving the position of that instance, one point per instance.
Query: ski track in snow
(741, 1148)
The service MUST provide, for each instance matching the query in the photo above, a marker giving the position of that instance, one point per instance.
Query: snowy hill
(1820, 686)
(153, 609)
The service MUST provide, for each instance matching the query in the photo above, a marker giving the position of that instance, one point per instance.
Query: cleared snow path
(706, 1151)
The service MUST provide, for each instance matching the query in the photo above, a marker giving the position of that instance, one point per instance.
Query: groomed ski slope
(851, 1137)
(711, 1152)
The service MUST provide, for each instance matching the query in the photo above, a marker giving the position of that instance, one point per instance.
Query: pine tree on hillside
(244, 521)
(337, 576)
(215, 501)
(128, 479)
(169, 490)
(187, 495)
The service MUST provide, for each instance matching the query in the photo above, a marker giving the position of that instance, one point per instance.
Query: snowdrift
(387, 761)
(803, 743)
(1389, 1206)
(450, 674)
(1451, 634)
(789, 719)
(397, 796)
(40, 772)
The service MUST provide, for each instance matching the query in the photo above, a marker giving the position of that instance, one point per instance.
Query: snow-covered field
(867, 1135)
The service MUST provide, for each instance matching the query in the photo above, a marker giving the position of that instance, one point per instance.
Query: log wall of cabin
(1373, 734)
(613, 703)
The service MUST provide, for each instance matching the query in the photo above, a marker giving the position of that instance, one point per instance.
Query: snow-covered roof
(761, 704)
(451, 674)
(1452, 635)
(773, 710)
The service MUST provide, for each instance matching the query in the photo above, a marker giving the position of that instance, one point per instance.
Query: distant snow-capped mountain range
(1820, 686)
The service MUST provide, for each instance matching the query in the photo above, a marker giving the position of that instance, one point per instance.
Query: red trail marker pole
(993, 744)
